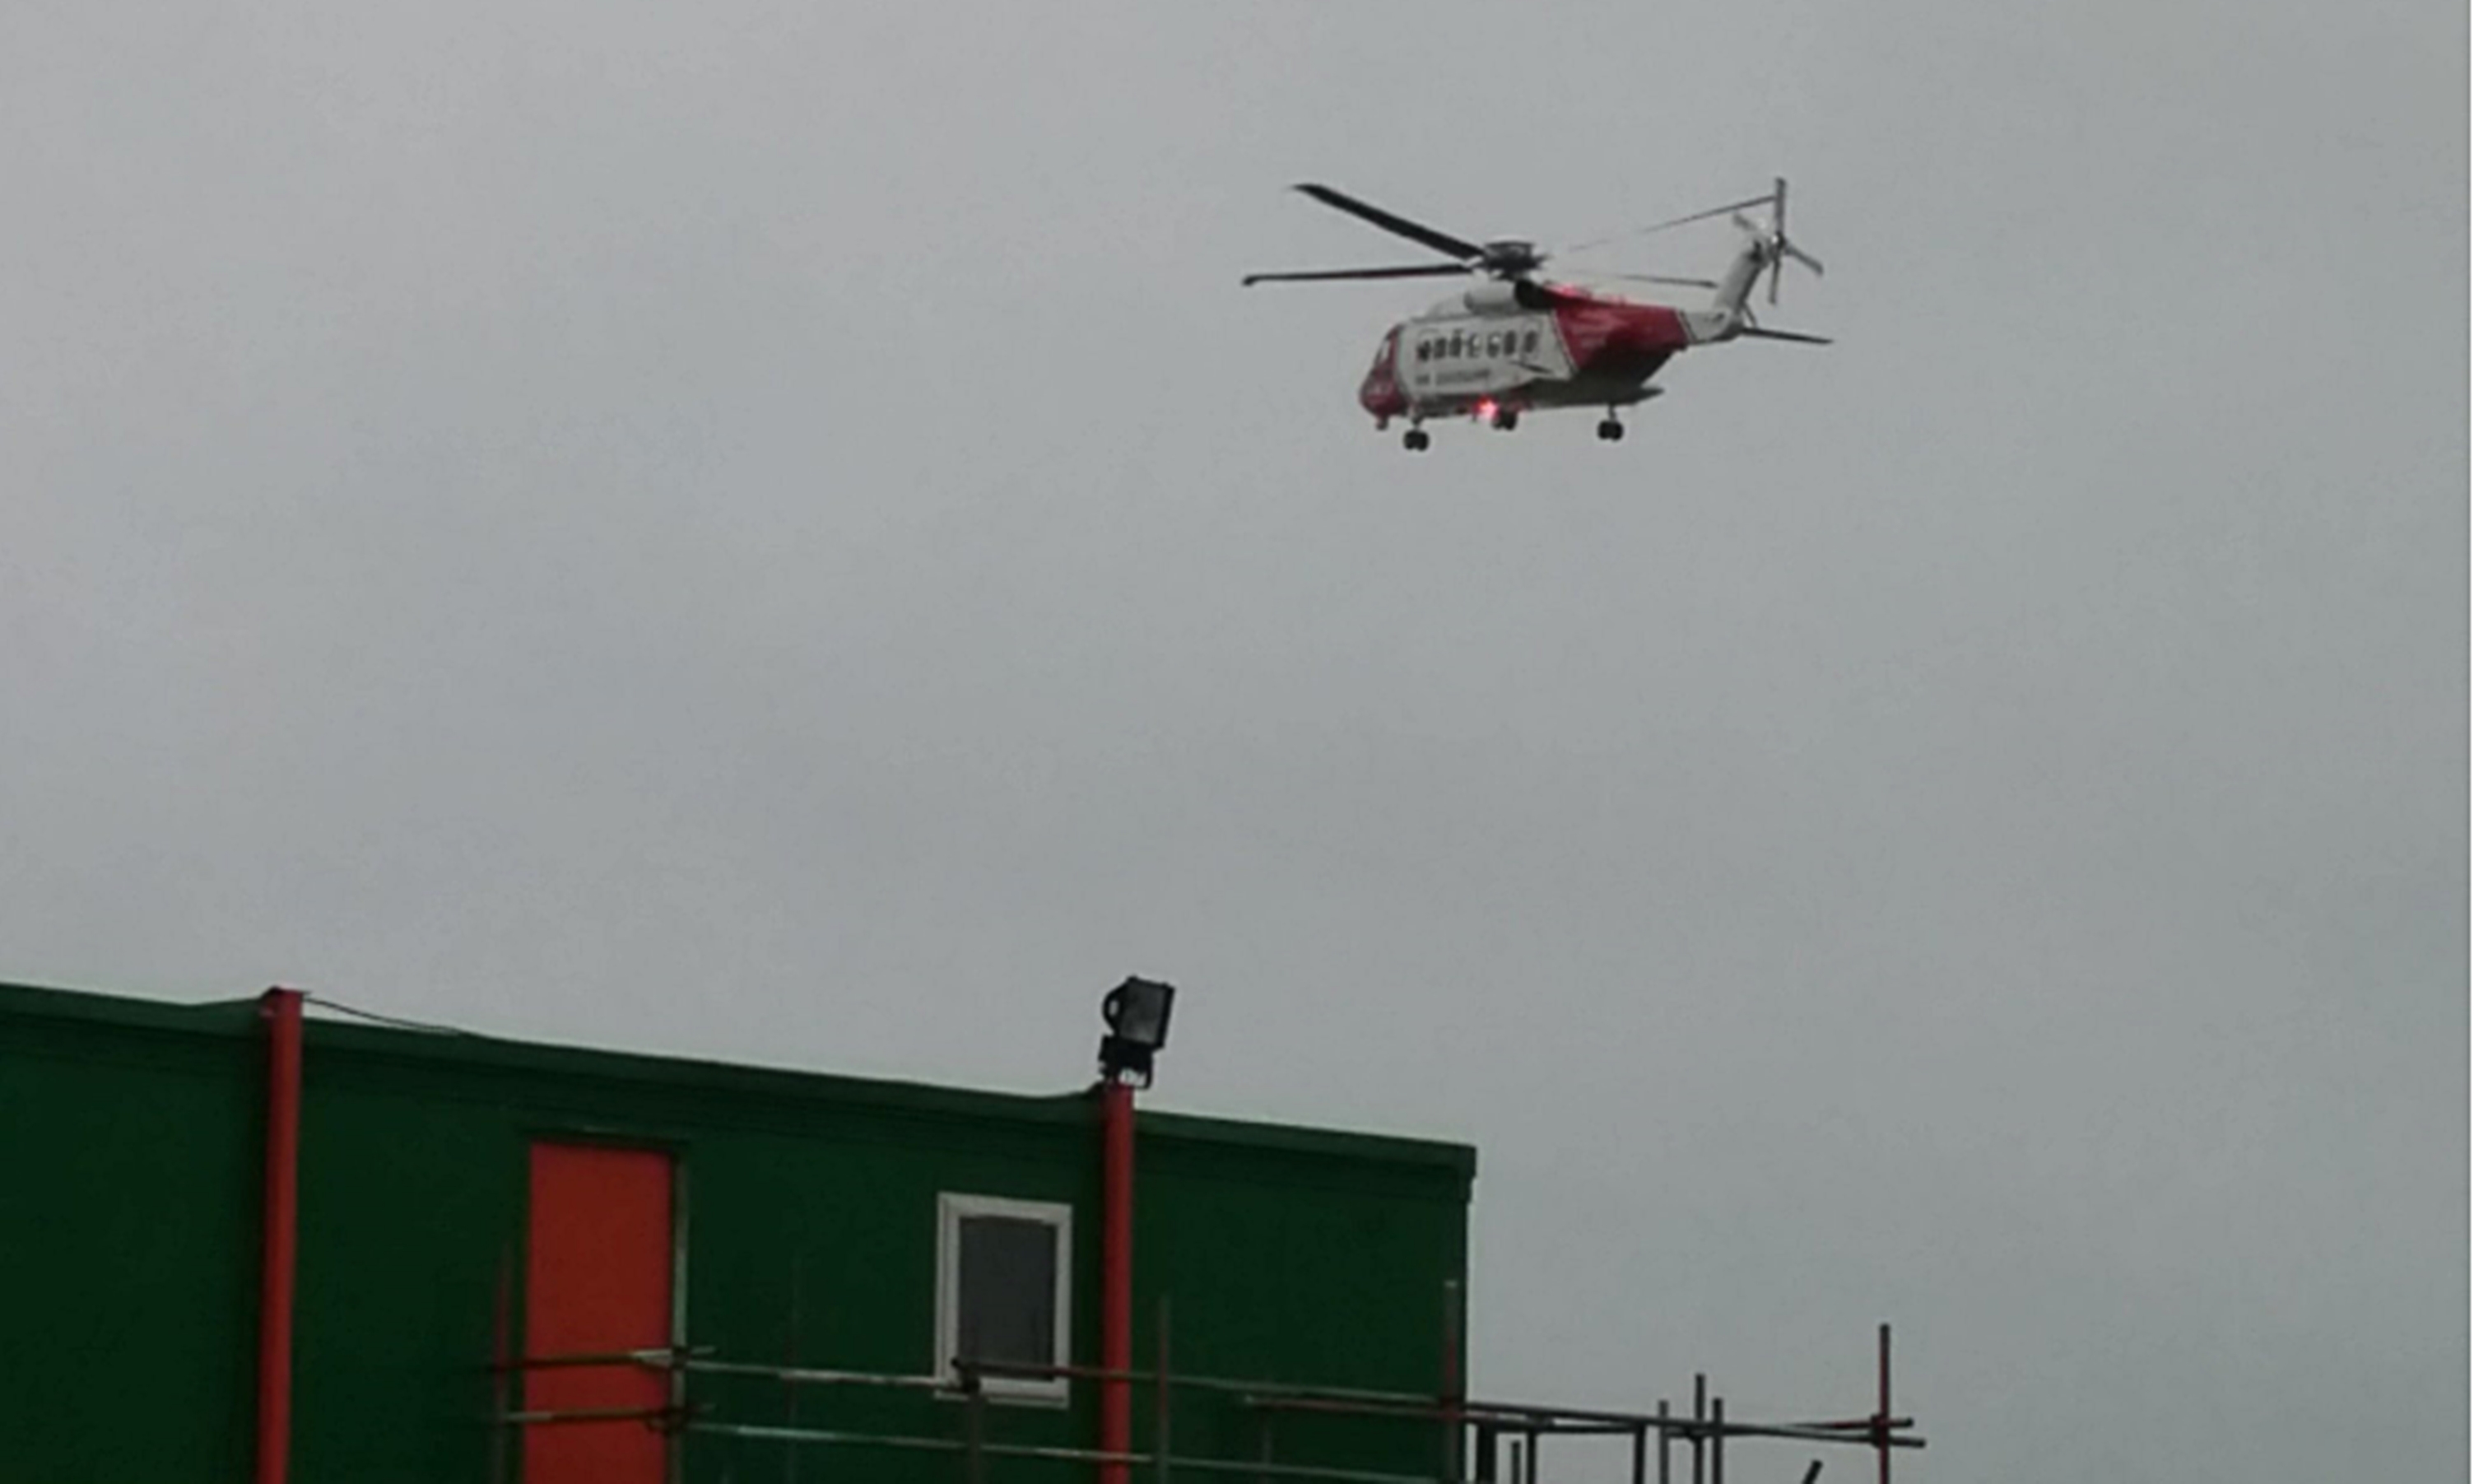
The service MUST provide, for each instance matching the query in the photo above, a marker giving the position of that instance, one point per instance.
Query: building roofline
(237, 1019)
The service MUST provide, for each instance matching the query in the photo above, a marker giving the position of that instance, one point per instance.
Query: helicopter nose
(1380, 395)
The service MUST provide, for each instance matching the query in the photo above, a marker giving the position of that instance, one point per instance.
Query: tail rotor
(1766, 253)
(1774, 241)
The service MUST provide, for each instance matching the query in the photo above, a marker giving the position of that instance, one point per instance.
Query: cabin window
(1456, 344)
(1529, 343)
(1005, 1289)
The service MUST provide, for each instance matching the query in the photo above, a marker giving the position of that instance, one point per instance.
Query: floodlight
(1136, 1012)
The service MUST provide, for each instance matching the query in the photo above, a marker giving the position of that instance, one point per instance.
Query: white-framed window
(1004, 1288)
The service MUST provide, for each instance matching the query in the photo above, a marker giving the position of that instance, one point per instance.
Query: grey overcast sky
(769, 531)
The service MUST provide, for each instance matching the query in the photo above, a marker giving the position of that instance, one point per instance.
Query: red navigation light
(1486, 408)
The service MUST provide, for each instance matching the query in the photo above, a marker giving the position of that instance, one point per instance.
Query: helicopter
(1519, 343)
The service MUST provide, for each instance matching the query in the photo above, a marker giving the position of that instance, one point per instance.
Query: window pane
(1008, 1278)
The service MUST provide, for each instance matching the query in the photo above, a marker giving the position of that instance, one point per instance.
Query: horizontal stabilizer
(1758, 333)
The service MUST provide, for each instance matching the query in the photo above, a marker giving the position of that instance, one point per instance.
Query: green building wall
(130, 1139)
(130, 1170)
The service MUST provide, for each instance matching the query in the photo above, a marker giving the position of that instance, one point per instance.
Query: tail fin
(1737, 287)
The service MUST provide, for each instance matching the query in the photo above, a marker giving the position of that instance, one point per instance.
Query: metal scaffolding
(1476, 1438)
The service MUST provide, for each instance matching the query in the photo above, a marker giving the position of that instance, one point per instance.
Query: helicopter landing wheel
(1416, 439)
(1507, 418)
(1611, 431)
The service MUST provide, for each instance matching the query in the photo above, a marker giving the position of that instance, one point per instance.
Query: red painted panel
(596, 1278)
(1599, 334)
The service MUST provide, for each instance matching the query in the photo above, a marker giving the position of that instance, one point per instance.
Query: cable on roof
(397, 1022)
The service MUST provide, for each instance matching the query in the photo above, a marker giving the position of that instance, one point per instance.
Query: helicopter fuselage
(1495, 351)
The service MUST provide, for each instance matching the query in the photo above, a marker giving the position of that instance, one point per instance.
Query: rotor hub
(1511, 255)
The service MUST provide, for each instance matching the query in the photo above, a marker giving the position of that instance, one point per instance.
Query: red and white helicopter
(1519, 343)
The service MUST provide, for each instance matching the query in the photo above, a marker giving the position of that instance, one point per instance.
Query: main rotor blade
(1678, 221)
(1399, 225)
(1326, 275)
(1659, 277)
(1781, 335)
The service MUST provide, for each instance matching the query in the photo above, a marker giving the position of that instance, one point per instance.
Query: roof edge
(231, 1019)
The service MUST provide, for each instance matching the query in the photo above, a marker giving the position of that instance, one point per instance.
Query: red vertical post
(281, 1010)
(1116, 1273)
